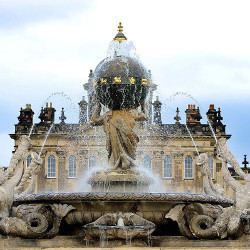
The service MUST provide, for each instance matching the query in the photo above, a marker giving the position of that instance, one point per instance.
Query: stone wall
(155, 145)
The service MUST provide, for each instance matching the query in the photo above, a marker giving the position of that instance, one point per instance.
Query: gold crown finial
(120, 27)
(120, 36)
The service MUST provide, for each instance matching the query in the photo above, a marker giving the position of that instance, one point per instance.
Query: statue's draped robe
(121, 139)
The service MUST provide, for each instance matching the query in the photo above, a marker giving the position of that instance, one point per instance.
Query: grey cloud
(15, 14)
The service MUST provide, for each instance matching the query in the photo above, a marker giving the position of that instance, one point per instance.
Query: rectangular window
(188, 167)
(51, 167)
(211, 165)
(167, 171)
(72, 167)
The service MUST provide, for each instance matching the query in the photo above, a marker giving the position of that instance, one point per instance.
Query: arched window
(28, 160)
(92, 162)
(72, 167)
(167, 171)
(51, 166)
(188, 167)
(147, 162)
(211, 165)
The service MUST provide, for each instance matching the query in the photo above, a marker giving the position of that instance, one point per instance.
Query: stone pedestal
(119, 181)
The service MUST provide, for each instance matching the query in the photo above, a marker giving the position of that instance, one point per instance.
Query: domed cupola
(121, 80)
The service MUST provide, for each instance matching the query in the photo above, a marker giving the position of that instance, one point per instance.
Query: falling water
(65, 96)
(120, 222)
(62, 94)
(192, 139)
(46, 137)
(214, 135)
(212, 130)
(149, 239)
(31, 130)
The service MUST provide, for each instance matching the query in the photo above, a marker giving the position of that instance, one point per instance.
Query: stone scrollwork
(206, 221)
(35, 220)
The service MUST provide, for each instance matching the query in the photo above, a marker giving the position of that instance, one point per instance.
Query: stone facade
(167, 150)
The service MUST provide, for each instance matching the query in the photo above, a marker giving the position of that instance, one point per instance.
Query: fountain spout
(120, 222)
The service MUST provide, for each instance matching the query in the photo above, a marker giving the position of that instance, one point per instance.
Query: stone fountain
(119, 205)
(122, 85)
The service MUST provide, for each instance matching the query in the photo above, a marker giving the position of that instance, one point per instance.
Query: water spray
(189, 132)
(46, 137)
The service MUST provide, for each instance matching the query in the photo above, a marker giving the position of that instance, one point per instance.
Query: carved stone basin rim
(113, 232)
(113, 196)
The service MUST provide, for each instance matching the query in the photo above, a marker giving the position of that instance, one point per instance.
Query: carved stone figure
(208, 185)
(12, 176)
(226, 155)
(206, 221)
(26, 185)
(16, 180)
(241, 189)
(121, 140)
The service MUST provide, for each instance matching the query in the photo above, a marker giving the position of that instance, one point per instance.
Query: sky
(197, 48)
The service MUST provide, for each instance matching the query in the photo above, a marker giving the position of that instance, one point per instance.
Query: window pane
(28, 160)
(92, 161)
(167, 167)
(51, 166)
(72, 166)
(147, 162)
(188, 167)
(211, 165)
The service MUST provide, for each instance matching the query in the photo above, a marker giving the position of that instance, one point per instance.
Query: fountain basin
(91, 206)
(119, 226)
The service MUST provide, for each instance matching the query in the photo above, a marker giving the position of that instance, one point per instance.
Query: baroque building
(74, 150)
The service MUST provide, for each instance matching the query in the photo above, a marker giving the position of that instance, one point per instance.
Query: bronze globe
(121, 82)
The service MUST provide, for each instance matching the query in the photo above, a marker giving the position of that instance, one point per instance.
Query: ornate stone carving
(120, 137)
(208, 185)
(35, 220)
(158, 154)
(27, 182)
(226, 155)
(206, 221)
(118, 196)
(12, 176)
(119, 226)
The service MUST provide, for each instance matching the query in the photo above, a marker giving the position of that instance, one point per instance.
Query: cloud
(203, 76)
(16, 14)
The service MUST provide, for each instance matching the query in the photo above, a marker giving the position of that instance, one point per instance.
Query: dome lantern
(120, 36)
